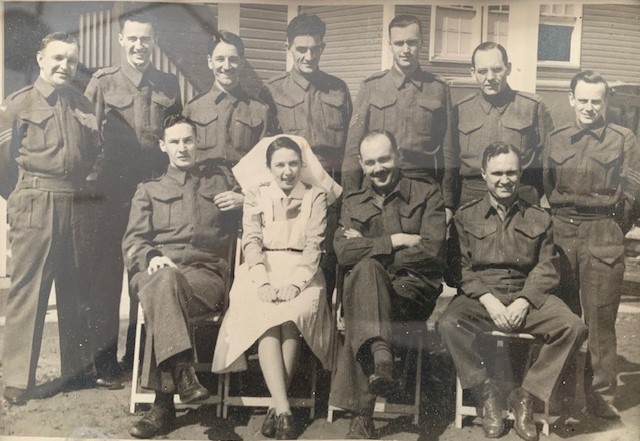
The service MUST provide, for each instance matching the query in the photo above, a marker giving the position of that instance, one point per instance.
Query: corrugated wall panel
(353, 38)
(263, 29)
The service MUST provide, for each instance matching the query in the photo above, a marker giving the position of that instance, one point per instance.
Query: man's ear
(162, 145)
(483, 173)
(508, 70)
(572, 99)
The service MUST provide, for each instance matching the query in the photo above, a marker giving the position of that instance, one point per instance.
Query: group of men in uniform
(410, 164)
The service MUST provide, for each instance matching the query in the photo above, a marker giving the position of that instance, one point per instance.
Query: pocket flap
(285, 100)
(333, 99)
(530, 230)
(516, 121)
(609, 254)
(36, 116)
(248, 120)
(481, 231)
(560, 156)
(118, 101)
(604, 157)
(409, 209)
(167, 195)
(468, 125)
(429, 103)
(162, 99)
(381, 101)
(204, 118)
(365, 213)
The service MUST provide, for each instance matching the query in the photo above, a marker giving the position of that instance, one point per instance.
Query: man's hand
(288, 292)
(228, 200)
(351, 233)
(404, 240)
(497, 311)
(267, 293)
(517, 312)
(158, 262)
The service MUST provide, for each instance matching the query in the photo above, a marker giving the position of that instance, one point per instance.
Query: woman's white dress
(289, 251)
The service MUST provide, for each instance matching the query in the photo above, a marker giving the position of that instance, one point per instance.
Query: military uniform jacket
(518, 118)
(131, 107)
(228, 125)
(175, 216)
(590, 171)
(413, 207)
(48, 133)
(316, 107)
(415, 108)
(511, 258)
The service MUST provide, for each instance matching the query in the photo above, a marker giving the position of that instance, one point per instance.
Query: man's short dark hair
(304, 24)
(487, 46)
(375, 133)
(590, 77)
(227, 37)
(404, 20)
(138, 17)
(57, 36)
(499, 148)
(174, 119)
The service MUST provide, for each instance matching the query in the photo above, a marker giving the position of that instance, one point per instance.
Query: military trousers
(373, 300)
(170, 298)
(560, 330)
(593, 255)
(46, 231)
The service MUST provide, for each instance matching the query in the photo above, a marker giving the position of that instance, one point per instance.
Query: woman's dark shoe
(269, 424)
(284, 426)
(361, 427)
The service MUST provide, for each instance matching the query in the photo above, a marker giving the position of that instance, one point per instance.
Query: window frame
(476, 32)
(576, 37)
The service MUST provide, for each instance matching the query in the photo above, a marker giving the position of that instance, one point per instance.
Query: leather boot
(187, 384)
(488, 394)
(361, 427)
(599, 406)
(521, 403)
(157, 421)
(382, 383)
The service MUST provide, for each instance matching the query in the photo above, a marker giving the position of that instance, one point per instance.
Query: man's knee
(367, 268)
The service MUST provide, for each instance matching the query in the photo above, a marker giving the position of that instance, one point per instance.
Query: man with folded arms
(509, 272)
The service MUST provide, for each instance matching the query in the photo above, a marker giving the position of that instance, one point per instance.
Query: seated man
(392, 239)
(175, 248)
(509, 269)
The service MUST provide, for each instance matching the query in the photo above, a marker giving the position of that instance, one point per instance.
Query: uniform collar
(399, 78)
(596, 131)
(134, 75)
(491, 206)
(296, 193)
(500, 101)
(44, 88)
(402, 189)
(218, 94)
(180, 176)
(301, 80)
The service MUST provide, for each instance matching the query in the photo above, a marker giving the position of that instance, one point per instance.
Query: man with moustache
(495, 113)
(592, 181)
(391, 242)
(131, 101)
(406, 101)
(315, 105)
(229, 122)
(510, 270)
(175, 247)
(48, 144)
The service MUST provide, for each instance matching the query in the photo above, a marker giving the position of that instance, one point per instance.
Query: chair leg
(225, 406)
(416, 403)
(135, 375)
(459, 396)
(314, 379)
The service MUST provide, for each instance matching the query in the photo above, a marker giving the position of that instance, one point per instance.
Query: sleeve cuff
(382, 246)
(536, 299)
(151, 254)
(301, 278)
(259, 274)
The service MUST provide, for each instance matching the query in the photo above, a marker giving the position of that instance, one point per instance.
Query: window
(559, 33)
(456, 30)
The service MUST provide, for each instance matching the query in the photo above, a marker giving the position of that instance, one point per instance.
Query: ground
(105, 414)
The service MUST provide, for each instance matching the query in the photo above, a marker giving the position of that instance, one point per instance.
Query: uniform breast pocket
(469, 137)
(604, 171)
(518, 131)
(122, 104)
(206, 125)
(40, 131)
(160, 106)
(527, 241)
(207, 208)
(167, 212)
(290, 118)
(410, 218)
(429, 112)
(245, 132)
(380, 113)
(565, 168)
(482, 240)
(333, 111)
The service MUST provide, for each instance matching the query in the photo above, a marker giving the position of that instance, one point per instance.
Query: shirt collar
(399, 78)
(296, 193)
(500, 102)
(218, 94)
(491, 206)
(402, 189)
(134, 75)
(300, 79)
(180, 176)
(44, 88)
(596, 130)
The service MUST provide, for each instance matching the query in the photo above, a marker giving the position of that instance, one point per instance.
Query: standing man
(391, 240)
(315, 105)
(175, 247)
(592, 181)
(49, 131)
(406, 101)
(229, 122)
(495, 113)
(131, 102)
(510, 270)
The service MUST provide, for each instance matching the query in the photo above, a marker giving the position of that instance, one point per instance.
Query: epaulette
(278, 77)
(561, 129)
(618, 128)
(531, 96)
(470, 204)
(352, 193)
(467, 98)
(436, 77)
(376, 75)
(17, 93)
(106, 71)
(197, 97)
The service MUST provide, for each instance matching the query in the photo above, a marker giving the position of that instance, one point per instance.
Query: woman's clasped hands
(268, 294)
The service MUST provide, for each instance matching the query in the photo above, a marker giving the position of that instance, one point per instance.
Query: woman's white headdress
(252, 169)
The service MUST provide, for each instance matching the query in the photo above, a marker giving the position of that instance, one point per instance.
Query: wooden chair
(463, 410)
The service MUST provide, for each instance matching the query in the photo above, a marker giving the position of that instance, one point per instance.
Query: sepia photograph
(320, 219)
